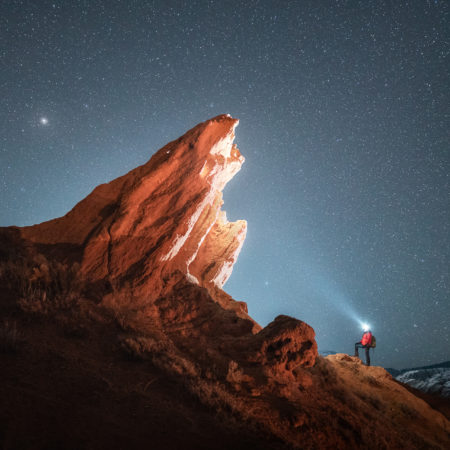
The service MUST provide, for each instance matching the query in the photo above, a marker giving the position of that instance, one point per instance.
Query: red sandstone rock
(158, 248)
(287, 343)
(160, 218)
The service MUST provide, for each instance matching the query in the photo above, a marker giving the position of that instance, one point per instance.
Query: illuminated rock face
(156, 244)
(162, 217)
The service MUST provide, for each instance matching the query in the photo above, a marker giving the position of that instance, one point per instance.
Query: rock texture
(145, 257)
(162, 217)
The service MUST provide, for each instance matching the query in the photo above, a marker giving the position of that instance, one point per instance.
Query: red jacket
(367, 338)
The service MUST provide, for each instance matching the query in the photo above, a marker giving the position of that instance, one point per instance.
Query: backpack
(373, 342)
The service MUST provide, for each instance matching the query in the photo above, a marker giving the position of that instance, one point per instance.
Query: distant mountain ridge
(432, 379)
(397, 372)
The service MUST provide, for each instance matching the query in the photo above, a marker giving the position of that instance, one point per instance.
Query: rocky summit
(120, 301)
(161, 218)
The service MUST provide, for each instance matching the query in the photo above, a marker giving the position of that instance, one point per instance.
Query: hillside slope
(126, 336)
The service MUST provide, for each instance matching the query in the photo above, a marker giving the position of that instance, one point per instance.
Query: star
(43, 121)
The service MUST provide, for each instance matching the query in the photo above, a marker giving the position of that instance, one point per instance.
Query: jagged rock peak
(160, 218)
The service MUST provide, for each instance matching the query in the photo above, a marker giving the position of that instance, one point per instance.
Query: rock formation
(152, 249)
(161, 217)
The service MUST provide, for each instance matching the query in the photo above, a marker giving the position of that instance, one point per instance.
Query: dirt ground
(61, 391)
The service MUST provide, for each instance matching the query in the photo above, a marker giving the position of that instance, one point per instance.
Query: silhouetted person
(364, 343)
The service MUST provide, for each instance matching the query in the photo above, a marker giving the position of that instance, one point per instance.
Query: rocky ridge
(149, 252)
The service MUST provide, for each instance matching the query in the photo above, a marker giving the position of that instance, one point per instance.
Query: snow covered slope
(433, 381)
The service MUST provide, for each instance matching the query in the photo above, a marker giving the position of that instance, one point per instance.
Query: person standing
(365, 343)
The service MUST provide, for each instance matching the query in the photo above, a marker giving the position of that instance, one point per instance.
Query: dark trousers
(366, 348)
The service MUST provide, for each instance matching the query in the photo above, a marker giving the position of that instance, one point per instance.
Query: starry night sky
(344, 119)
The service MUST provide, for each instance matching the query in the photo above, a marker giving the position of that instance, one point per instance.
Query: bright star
(43, 120)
